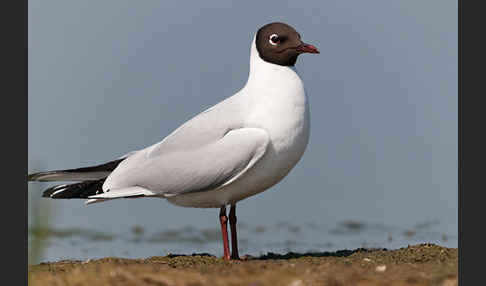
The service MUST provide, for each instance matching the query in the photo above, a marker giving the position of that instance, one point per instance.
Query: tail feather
(129, 192)
(91, 173)
(90, 186)
(93, 192)
(94, 201)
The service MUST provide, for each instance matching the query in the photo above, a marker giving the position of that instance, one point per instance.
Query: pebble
(367, 259)
(380, 268)
(450, 282)
(297, 282)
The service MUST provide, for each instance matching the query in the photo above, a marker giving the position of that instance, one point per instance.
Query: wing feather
(211, 166)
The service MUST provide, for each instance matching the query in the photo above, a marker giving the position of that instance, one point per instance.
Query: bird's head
(280, 44)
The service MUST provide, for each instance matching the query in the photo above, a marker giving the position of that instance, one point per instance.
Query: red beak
(307, 48)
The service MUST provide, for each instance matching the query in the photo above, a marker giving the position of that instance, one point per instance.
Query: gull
(238, 148)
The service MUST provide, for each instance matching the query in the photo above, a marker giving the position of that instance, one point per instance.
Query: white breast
(276, 102)
(280, 106)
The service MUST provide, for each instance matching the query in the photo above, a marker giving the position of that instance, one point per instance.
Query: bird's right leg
(223, 219)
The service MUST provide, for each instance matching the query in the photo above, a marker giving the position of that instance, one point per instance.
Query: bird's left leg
(234, 239)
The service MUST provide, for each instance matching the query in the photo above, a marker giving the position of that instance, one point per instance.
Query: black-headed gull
(238, 148)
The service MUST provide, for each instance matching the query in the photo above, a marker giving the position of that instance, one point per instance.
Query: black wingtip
(49, 193)
(33, 177)
(39, 177)
(80, 190)
(45, 176)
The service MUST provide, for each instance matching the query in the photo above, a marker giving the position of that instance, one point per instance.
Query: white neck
(277, 103)
(261, 70)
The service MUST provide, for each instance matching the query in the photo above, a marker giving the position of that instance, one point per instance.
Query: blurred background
(380, 170)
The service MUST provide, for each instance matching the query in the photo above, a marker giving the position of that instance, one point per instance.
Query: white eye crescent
(274, 40)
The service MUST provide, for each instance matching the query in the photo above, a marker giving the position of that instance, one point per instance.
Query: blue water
(152, 227)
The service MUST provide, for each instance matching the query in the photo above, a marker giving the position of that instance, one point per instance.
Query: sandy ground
(424, 264)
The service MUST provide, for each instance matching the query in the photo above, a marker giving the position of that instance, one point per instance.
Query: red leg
(234, 238)
(224, 230)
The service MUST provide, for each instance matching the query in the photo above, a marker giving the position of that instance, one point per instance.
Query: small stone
(367, 259)
(450, 282)
(297, 282)
(380, 268)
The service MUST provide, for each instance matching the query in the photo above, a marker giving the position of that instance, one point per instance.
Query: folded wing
(211, 166)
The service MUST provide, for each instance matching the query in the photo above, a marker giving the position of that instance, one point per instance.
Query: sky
(109, 77)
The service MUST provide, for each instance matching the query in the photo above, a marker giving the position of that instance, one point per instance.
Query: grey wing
(205, 128)
(210, 166)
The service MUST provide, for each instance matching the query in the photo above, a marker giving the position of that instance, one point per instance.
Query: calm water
(127, 229)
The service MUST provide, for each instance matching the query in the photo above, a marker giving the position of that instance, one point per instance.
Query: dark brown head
(280, 44)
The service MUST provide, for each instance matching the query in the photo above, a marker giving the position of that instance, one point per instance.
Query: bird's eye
(274, 40)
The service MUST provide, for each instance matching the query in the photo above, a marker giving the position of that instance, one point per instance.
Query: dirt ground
(424, 264)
